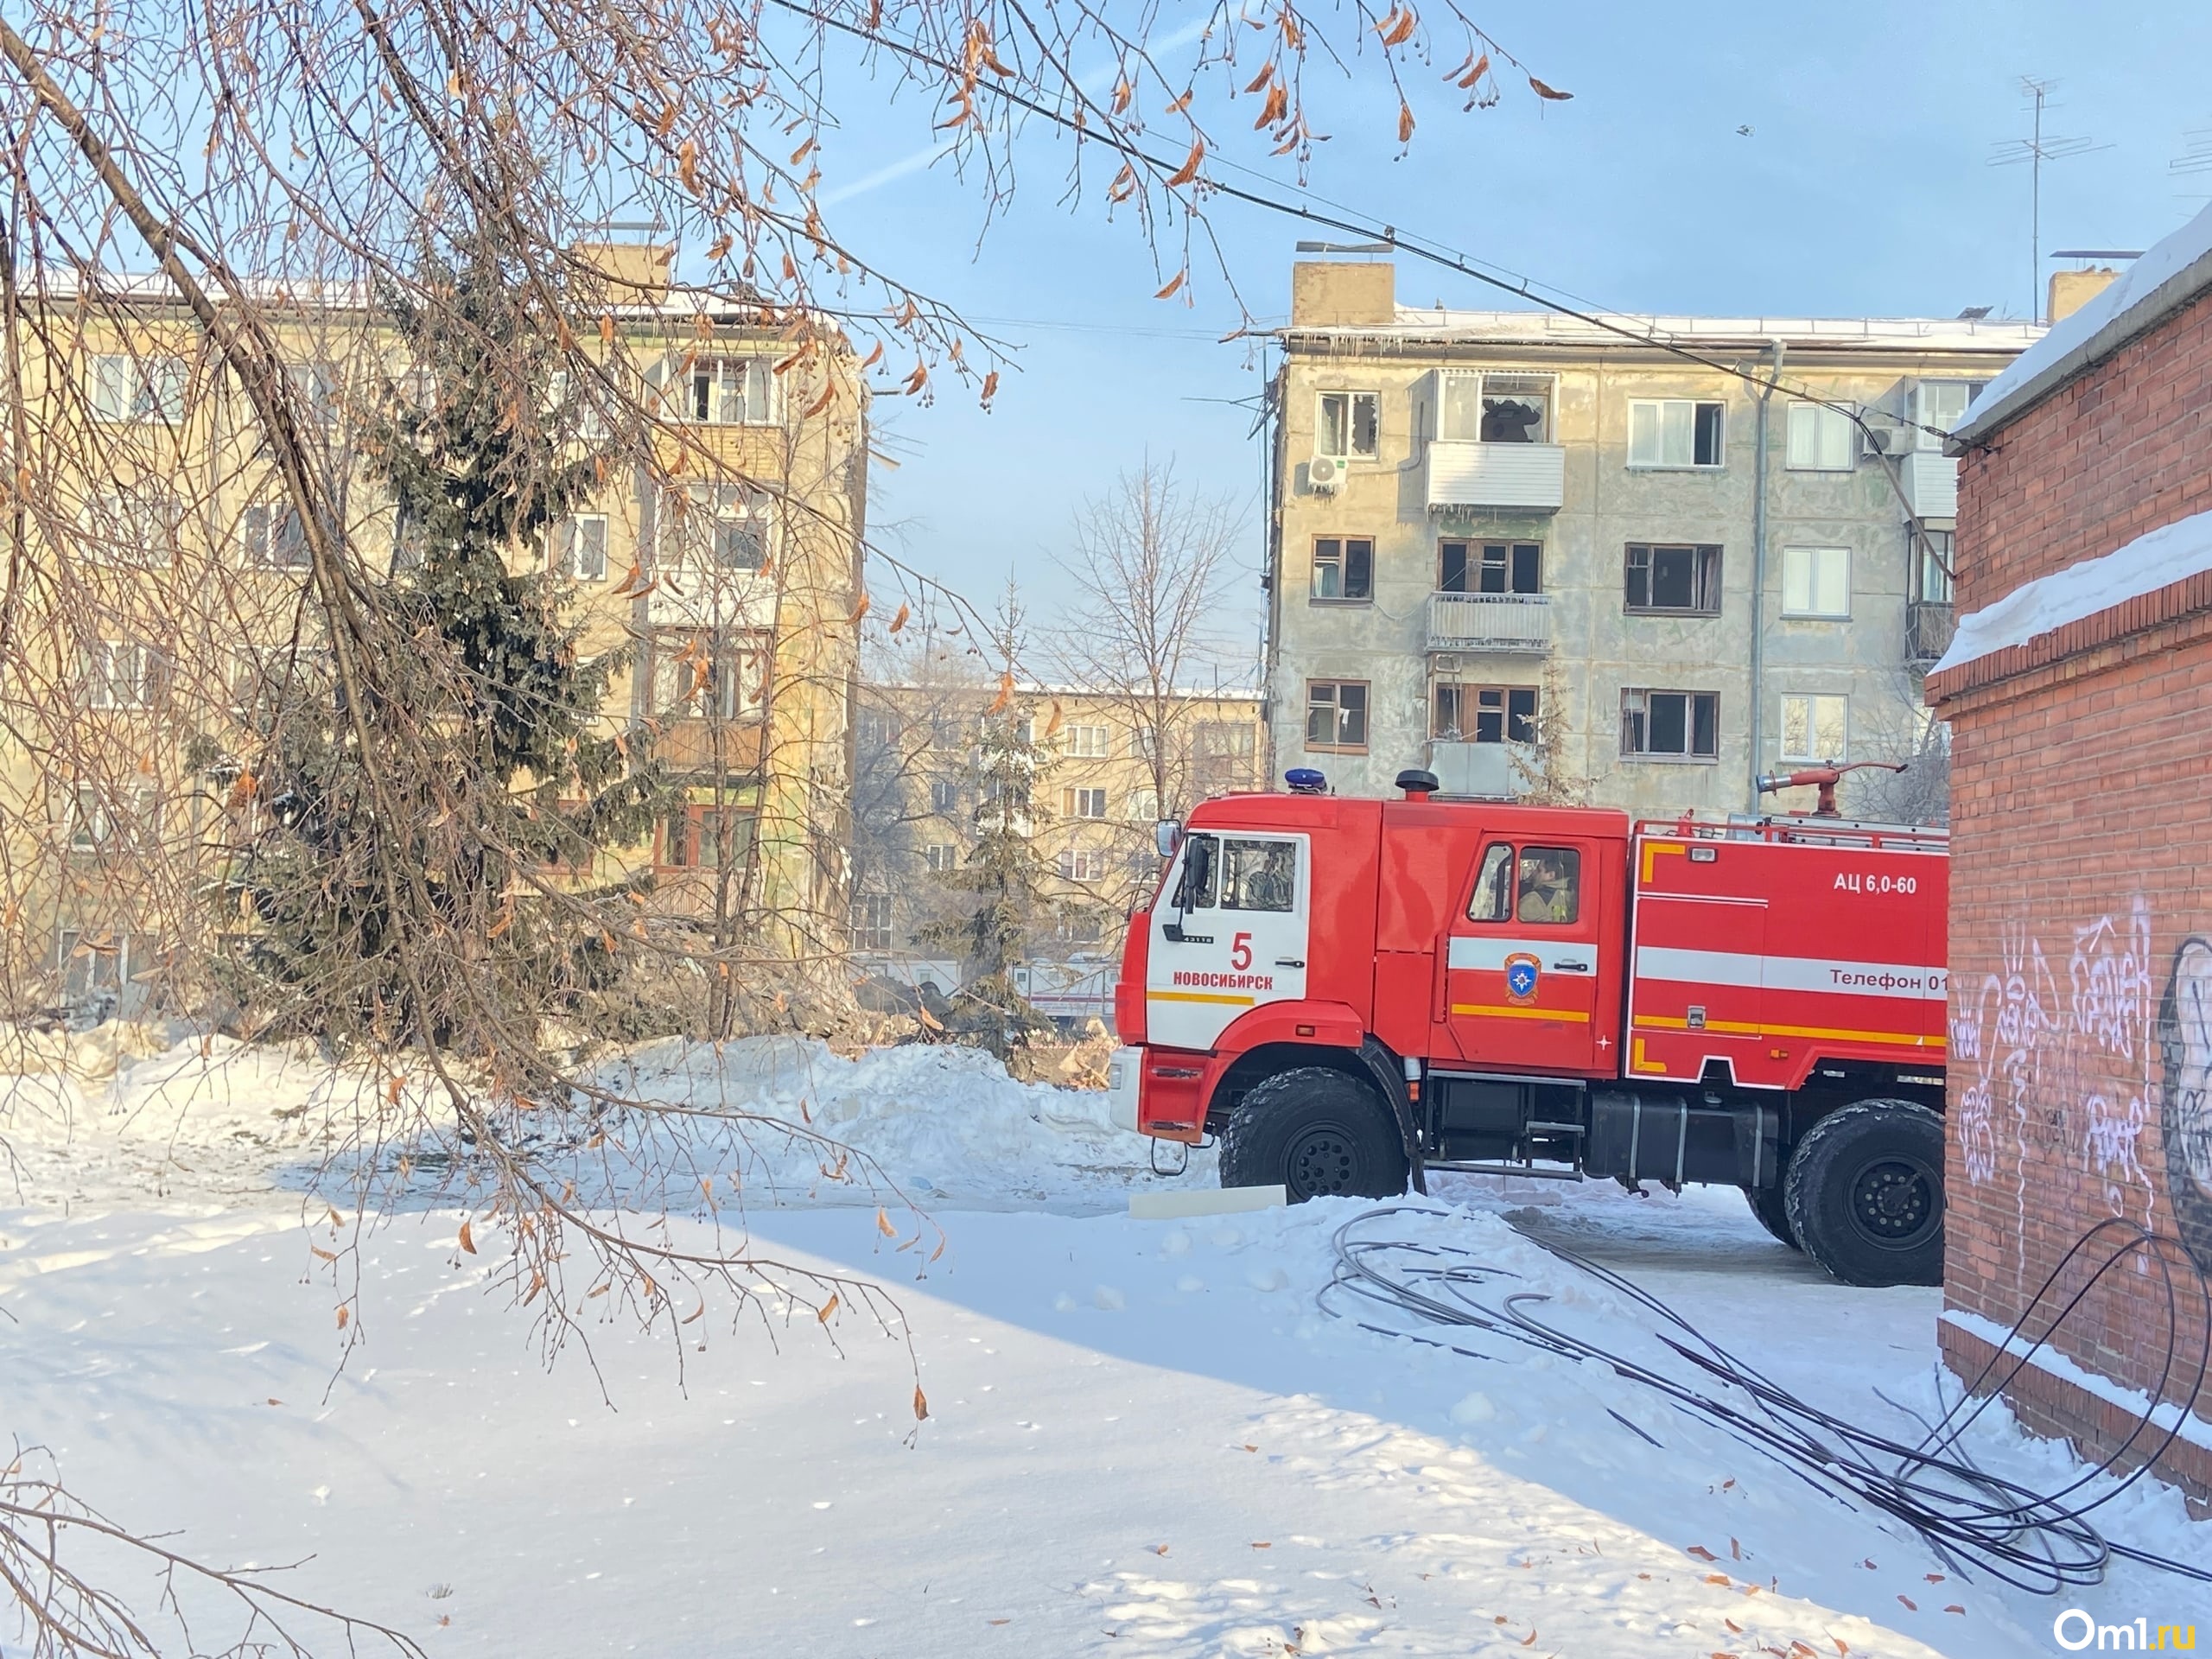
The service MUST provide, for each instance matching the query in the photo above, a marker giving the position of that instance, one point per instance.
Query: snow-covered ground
(1144, 1437)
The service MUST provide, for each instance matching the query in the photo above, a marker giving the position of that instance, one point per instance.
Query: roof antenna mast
(2035, 150)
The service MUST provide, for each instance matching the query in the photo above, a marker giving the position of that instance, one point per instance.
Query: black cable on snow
(1973, 1520)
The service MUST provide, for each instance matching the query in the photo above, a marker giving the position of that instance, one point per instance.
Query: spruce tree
(1004, 872)
(464, 643)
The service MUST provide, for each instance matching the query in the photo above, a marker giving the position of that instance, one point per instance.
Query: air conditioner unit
(1887, 434)
(1325, 474)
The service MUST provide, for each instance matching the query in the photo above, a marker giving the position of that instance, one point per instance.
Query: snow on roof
(2153, 560)
(1448, 326)
(2152, 288)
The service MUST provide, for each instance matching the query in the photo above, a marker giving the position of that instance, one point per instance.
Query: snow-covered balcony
(1515, 622)
(1470, 473)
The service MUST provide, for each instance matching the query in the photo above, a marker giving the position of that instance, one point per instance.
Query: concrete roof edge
(2170, 297)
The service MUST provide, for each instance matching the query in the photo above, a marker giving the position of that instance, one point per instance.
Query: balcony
(1928, 626)
(1514, 622)
(1521, 477)
(1930, 483)
(1482, 771)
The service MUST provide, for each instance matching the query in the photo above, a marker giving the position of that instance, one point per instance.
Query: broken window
(1685, 581)
(1336, 714)
(1490, 567)
(1344, 567)
(1350, 427)
(1495, 408)
(1670, 725)
(1485, 714)
(1674, 432)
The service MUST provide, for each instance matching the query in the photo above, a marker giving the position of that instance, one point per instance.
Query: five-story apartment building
(1637, 564)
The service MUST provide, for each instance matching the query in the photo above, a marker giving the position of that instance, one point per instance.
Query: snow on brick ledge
(2154, 560)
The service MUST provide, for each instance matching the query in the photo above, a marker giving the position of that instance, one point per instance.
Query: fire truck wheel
(1317, 1133)
(1769, 1204)
(1865, 1193)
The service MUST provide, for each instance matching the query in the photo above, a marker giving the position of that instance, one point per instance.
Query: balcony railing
(1483, 771)
(1529, 477)
(1490, 622)
(1928, 626)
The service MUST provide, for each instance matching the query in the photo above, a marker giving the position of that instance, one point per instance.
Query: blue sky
(1863, 188)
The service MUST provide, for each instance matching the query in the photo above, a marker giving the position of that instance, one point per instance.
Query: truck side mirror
(1168, 835)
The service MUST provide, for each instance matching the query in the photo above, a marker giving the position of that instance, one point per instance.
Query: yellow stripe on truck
(1575, 1016)
(1199, 996)
(1753, 1029)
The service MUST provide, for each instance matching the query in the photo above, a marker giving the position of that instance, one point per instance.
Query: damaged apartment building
(1635, 564)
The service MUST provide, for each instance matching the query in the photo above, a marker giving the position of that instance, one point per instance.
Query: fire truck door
(1229, 934)
(1526, 957)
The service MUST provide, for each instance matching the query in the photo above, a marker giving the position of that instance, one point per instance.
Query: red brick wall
(2081, 933)
(2124, 450)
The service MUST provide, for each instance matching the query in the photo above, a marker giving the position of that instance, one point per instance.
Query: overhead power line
(1349, 221)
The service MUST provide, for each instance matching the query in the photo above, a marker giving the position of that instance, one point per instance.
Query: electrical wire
(1974, 1520)
(1350, 222)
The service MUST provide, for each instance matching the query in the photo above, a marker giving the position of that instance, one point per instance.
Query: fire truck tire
(1865, 1193)
(1315, 1132)
(1772, 1208)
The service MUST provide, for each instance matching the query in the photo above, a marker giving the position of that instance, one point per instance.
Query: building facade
(1099, 768)
(1543, 558)
(723, 550)
(2078, 693)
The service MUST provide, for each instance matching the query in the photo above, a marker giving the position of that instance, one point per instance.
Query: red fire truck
(1349, 993)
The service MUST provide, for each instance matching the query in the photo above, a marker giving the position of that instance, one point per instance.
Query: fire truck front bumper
(1124, 1082)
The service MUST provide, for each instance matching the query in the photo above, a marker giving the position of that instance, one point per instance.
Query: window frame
(1077, 799)
(1814, 417)
(1809, 611)
(1690, 755)
(1697, 406)
(1338, 745)
(259, 545)
(1088, 742)
(1708, 573)
(1512, 728)
(568, 535)
(1922, 417)
(151, 389)
(1475, 562)
(1341, 561)
(1351, 399)
(733, 690)
(1812, 700)
(707, 390)
(100, 680)
(863, 934)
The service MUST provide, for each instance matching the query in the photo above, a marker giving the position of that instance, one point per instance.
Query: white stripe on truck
(1792, 973)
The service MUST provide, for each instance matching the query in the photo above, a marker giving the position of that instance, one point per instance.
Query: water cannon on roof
(1823, 778)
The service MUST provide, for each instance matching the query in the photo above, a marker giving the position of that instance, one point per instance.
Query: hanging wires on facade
(1417, 1288)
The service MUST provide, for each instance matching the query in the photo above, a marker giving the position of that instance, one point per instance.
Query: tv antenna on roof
(2035, 150)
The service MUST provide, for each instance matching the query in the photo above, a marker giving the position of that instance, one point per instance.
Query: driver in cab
(1545, 893)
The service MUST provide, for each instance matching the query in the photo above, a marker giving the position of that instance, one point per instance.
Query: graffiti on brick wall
(2185, 1093)
(2061, 1069)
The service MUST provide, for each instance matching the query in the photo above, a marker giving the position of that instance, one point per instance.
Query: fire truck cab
(1350, 993)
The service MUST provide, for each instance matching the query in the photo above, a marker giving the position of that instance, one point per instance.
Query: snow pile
(936, 1123)
(2153, 560)
(771, 1120)
(2069, 346)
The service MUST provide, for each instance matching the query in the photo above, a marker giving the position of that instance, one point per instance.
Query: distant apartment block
(1490, 527)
